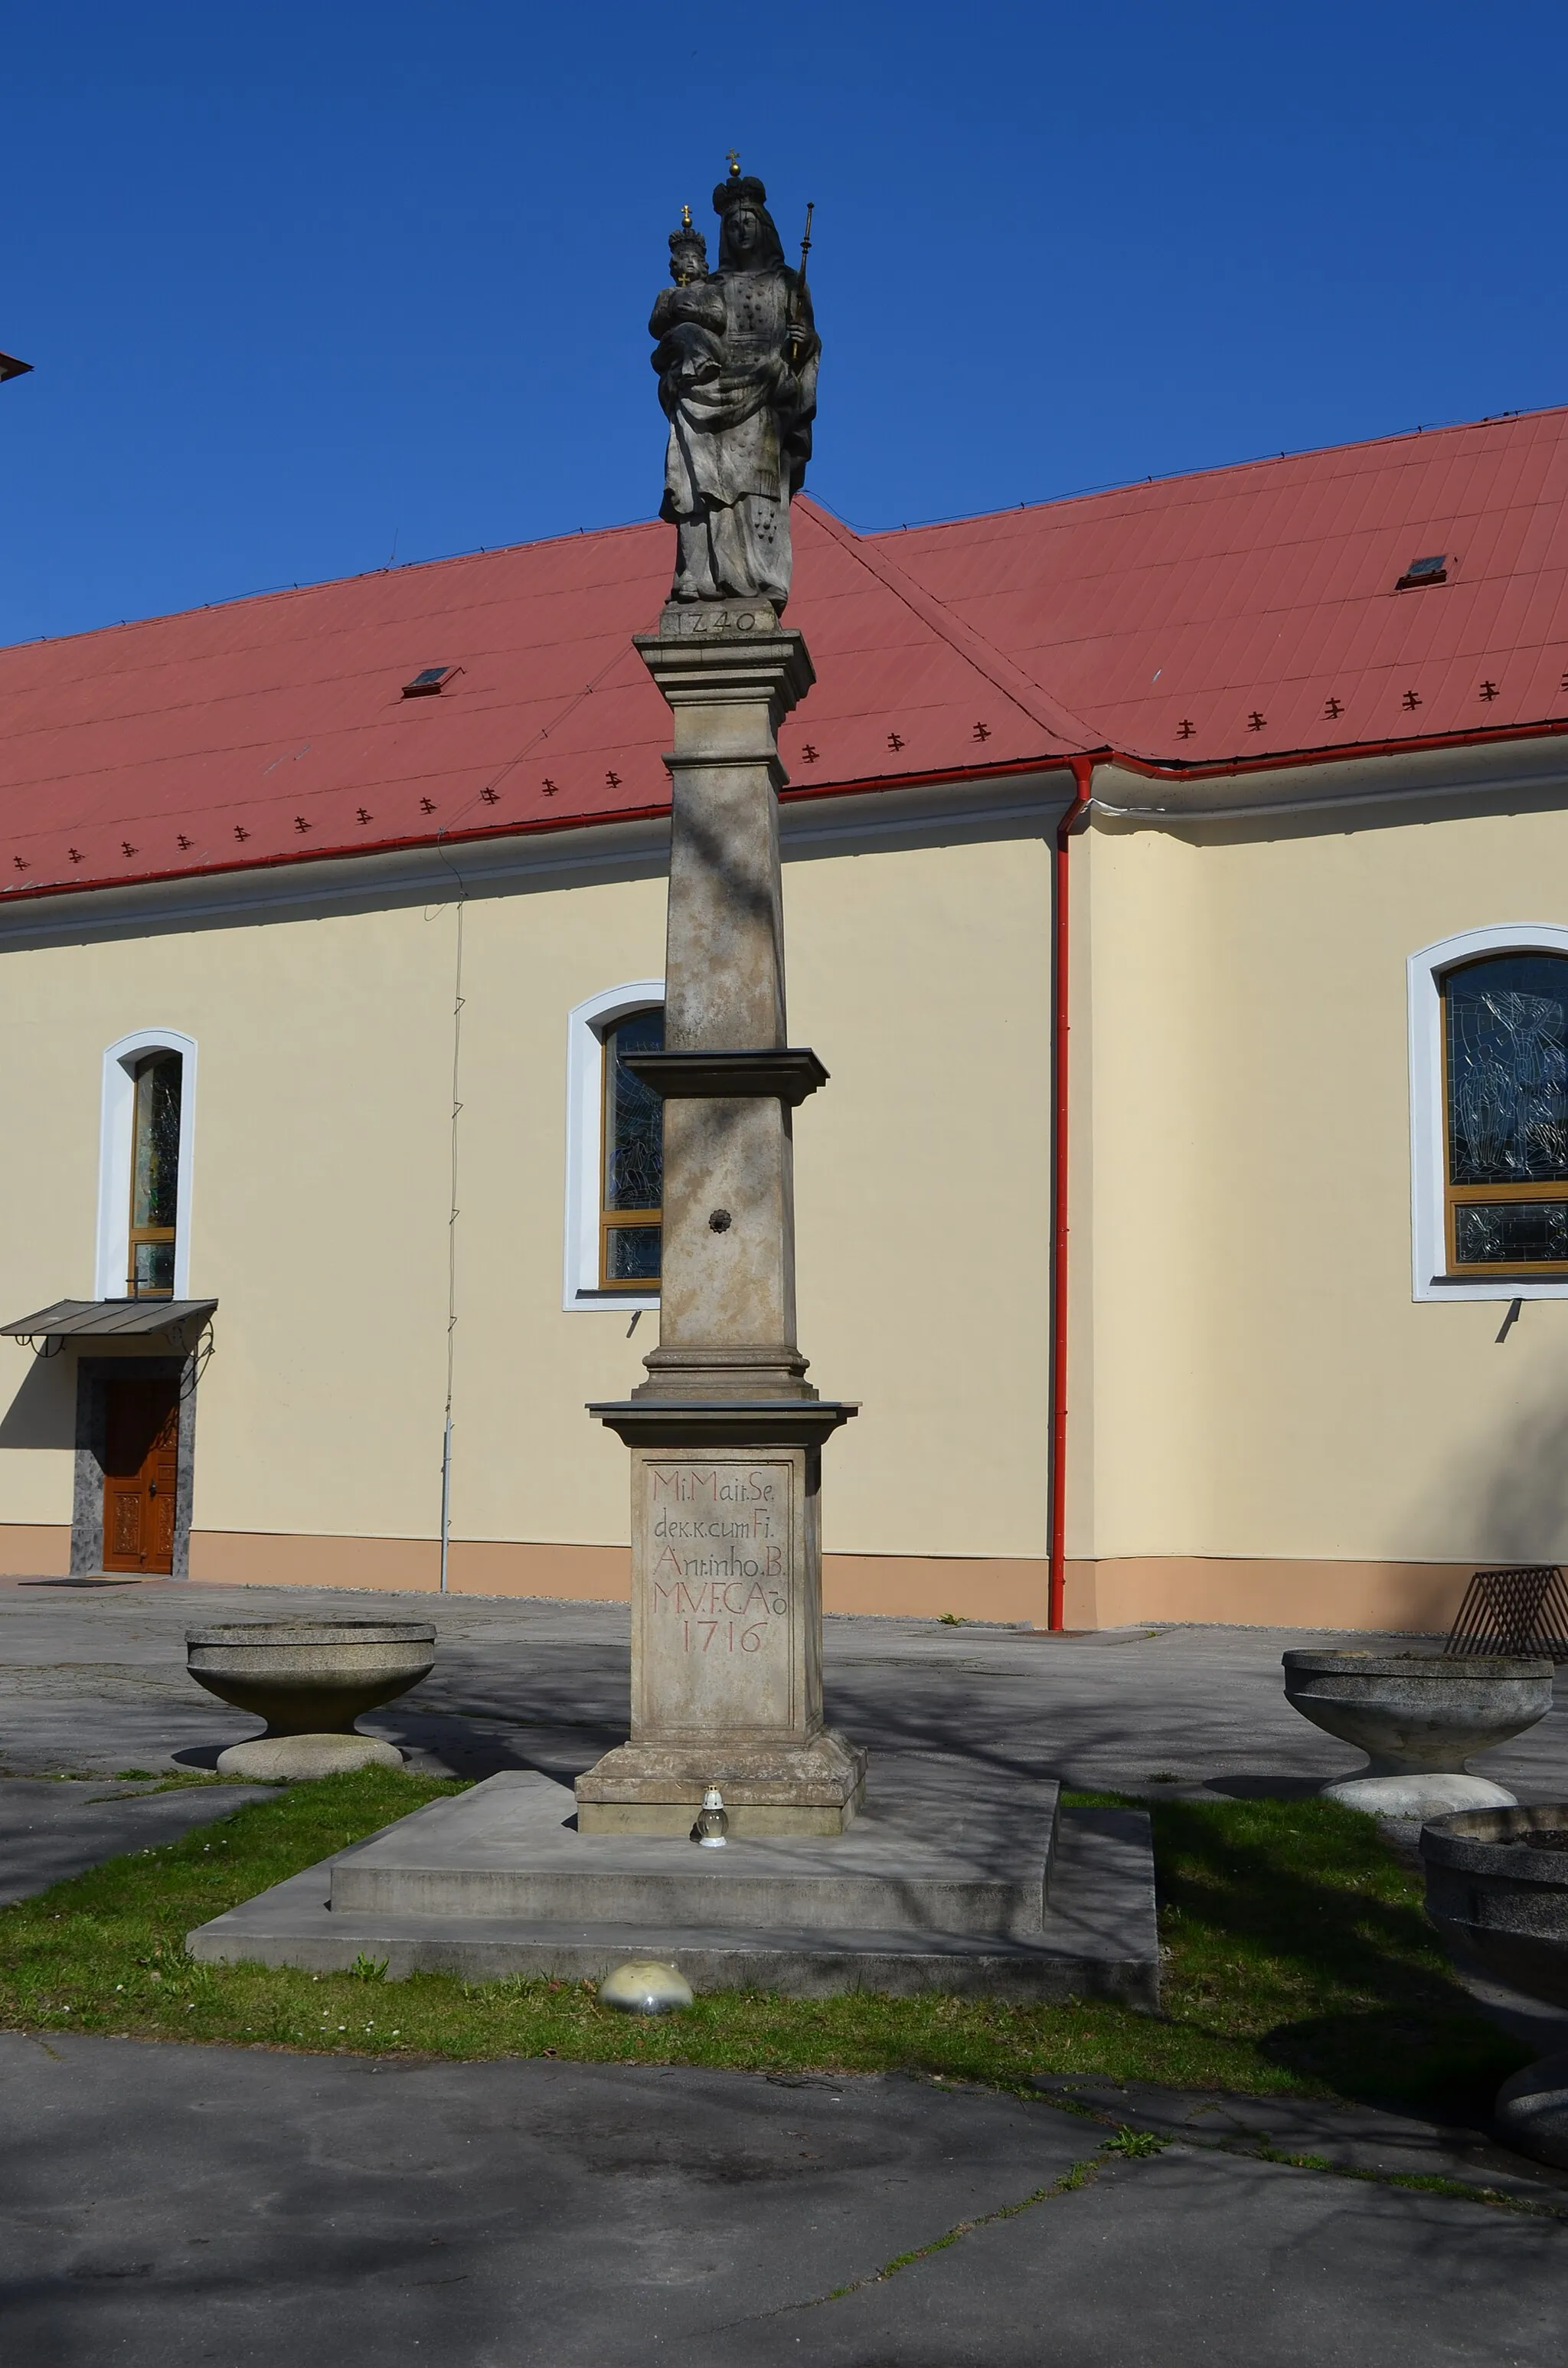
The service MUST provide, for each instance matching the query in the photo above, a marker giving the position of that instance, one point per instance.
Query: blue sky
(303, 285)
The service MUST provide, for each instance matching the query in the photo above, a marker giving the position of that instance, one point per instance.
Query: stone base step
(512, 1848)
(1098, 1939)
(810, 1789)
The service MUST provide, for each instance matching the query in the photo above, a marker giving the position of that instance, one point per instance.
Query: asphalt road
(164, 2206)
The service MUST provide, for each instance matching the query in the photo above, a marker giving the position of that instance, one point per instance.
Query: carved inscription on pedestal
(677, 623)
(714, 1574)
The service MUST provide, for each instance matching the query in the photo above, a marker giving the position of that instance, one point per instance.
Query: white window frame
(586, 1027)
(1428, 1120)
(116, 1128)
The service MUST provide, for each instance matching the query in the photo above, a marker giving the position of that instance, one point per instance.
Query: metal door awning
(117, 1319)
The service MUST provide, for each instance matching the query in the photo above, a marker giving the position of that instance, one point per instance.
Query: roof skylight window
(1434, 569)
(429, 680)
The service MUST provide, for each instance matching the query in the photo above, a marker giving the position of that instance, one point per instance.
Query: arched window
(154, 1177)
(1504, 1048)
(632, 1158)
(144, 1163)
(614, 1142)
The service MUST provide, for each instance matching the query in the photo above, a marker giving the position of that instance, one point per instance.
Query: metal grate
(1512, 1614)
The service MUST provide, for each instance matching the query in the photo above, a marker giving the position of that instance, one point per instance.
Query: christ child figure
(688, 319)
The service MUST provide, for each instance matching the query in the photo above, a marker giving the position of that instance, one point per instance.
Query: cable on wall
(452, 1213)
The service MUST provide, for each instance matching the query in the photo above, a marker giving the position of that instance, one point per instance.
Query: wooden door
(141, 1457)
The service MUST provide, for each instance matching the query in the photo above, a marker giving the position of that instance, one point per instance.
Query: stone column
(726, 1432)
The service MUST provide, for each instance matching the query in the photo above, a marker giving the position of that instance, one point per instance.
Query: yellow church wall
(1263, 1426)
(319, 1220)
(1137, 1391)
(1280, 1431)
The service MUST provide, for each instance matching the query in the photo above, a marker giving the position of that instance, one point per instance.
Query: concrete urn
(310, 1679)
(1497, 1891)
(1420, 1717)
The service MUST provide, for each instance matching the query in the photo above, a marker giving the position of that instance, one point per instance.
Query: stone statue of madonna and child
(736, 355)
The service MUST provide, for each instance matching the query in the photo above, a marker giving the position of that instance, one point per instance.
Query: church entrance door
(141, 1463)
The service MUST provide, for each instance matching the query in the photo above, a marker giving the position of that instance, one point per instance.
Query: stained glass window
(154, 1177)
(1505, 1083)
(633, 1174)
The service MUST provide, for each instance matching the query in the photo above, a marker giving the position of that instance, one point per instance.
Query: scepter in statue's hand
(798, 331)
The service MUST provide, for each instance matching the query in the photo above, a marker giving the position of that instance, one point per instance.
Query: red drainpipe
(1072, 820)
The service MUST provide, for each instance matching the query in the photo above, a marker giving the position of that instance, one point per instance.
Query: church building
(1176, 890)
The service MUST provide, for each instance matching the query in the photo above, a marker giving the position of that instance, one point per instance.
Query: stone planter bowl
(1497, 1891)
(1500, 1899)
(1417, 1713)
(310, 1676)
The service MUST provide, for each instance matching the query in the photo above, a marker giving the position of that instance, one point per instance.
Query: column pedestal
(726, 1433)
(726, 1626)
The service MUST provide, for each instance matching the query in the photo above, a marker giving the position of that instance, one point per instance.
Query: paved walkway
(163, 2206)
(93, 1681)
(52, 1828)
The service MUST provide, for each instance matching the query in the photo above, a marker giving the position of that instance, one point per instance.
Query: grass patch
(1299, 1962)
(1301, 1951)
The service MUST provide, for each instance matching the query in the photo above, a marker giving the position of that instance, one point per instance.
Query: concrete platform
(512, 1847)
(498, 1882)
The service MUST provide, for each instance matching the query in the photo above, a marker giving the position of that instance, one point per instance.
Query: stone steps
(511, 1848)
(1097, 1935)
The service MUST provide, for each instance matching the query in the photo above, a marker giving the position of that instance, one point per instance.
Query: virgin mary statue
(737, 364)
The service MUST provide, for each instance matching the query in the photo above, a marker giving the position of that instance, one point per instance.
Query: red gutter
(1342, 752)
(1008, 768)
(456, 835)
(1073, 820)
(1147, 768)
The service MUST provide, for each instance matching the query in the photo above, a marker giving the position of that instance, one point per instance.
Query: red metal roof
(1158, 619)
(1252, 610)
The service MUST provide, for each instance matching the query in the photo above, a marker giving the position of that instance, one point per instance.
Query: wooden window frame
(1458, 1196)
(139, 1237)
(111, 1259)
(617, 1220)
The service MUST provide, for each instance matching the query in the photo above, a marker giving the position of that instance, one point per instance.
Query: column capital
(771, 666)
